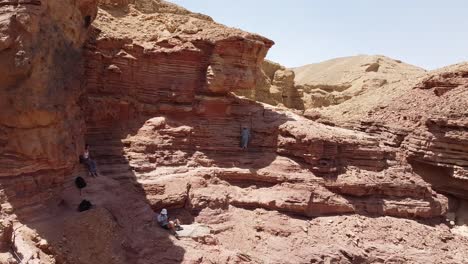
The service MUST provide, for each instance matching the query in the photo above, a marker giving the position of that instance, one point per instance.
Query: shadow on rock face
(41, 131)
(119, 228)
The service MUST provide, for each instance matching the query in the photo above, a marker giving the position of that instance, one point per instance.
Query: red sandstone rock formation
(430, 125)
(40, 65)
(154, 102)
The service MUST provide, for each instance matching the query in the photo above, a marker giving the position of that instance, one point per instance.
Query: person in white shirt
(165, 222)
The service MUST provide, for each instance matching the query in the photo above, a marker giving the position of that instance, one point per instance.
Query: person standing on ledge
(245, 134)
(245, 137)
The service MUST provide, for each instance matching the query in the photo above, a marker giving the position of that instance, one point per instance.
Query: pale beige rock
(275, 86)
(349, 87)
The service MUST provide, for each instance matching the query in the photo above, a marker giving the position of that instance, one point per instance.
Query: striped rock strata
(150, 91)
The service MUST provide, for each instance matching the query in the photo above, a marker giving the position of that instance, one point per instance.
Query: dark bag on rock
(80, 182)
(84, 206)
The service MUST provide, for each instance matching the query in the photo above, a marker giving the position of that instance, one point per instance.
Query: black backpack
(80, 183)
(84, 206)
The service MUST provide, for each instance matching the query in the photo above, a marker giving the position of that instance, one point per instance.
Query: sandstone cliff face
(41, 123)
(40, 50)
(432, 126)
(129, 83)
(276, 87)
(154, 102)
(163, 62)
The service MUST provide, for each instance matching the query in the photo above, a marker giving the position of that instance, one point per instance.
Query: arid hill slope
(345, 71)
(349, 87)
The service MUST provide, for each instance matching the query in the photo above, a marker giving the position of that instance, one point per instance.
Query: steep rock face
(287, 162)
(276, 87)
(139, 71)
(432, 122)
(131, 81)
(41, 125)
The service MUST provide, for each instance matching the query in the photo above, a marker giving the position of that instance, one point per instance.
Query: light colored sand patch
(461, 227)
(194, 230)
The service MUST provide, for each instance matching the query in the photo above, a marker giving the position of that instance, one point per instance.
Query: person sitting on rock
(165, 222)
(245, 137)
(90, 164)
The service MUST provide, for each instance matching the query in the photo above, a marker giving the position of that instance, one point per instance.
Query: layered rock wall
(168, 103)
(185, 74)
(41, 123)
(150, 91)
(431, 131)
(276, 86)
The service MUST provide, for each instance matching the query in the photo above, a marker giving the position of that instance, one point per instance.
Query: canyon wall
(149, 85)
(41, 122)
(429, 123)
(421, 114)
(168, 98)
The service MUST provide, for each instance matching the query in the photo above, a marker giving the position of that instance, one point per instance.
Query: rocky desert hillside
(349, 87)
(150, 87)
